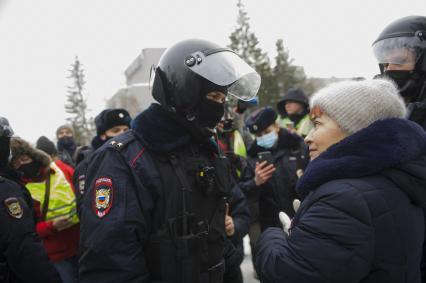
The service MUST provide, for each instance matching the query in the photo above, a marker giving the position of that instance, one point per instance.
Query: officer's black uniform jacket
(82, 161)
(129, 204)
(240, 214)
(22, 255)
(278, 193)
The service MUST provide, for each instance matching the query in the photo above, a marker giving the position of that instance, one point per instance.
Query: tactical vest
(61, 197)
(186, 240)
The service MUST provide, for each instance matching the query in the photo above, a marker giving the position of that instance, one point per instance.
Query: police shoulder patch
(14, 208)
(103, 196)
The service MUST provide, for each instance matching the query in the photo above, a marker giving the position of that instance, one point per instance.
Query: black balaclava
(31, 170)
(408, 82)
(67, 144)
(4, 151)
(210, 112)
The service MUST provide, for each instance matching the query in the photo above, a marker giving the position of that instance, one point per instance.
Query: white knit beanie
(355, 105)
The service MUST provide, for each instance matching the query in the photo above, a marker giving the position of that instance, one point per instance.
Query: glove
(285, 221)
(296, 204)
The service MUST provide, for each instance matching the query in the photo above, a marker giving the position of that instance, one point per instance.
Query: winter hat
(46, 145)
(110, 118)
(355, 105)
(293, 94)
(21, 147)
(260, 119)
(64, 127)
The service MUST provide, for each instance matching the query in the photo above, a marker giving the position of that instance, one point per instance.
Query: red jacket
(63, 244)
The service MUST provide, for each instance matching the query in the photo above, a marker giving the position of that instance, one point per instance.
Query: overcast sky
(40, 39)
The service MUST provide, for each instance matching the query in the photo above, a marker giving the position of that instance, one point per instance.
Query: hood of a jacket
(286, 140)
(395, 148)
(21, 147)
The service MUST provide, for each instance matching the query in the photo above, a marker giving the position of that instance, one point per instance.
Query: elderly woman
(361, 217)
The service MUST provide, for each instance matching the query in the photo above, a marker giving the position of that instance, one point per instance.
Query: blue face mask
(268, 140)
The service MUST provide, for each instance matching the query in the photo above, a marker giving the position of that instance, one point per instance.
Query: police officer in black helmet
(22, 255)
(400, 52)
(154, 207)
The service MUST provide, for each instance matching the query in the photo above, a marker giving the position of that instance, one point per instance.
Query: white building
(136, 96)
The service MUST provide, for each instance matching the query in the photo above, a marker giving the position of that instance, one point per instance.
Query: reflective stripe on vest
(62, 198)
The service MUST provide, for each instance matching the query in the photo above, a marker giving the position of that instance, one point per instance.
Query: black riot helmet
(403, 42)
(189, 68)
(6, 133)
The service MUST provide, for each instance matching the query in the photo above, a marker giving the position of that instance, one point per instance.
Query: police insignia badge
(13, 207)
(103, 195)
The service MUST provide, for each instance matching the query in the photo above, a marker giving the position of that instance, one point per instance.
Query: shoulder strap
(46, 197)
(185, 188)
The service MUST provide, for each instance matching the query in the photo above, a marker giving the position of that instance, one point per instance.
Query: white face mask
(268, 140)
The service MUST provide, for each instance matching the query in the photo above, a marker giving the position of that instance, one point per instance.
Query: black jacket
(238, 210)
(22, 254)
(82, 160)
(361, 218)
(133, 204)
(278, 193)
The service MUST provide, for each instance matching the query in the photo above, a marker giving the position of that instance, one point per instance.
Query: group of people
(330, 189)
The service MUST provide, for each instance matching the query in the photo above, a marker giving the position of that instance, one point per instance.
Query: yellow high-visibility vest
(62, 200)
(239, 146)
(302, 128)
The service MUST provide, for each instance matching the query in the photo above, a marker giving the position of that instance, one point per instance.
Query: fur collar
(21, 147)
(383, 145)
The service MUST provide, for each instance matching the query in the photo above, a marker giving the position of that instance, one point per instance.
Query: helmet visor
(399, 50)
(225, 68)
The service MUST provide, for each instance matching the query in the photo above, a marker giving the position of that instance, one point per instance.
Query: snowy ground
(247, 266)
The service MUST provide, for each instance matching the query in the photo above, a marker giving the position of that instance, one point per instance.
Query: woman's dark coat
(361, 218)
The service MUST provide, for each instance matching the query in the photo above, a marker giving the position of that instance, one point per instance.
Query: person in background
(109, 123)
(66, 144)
(54, 198)
(361, 217)
(269, 183)
(231, 143)
(22, 256)
(240, 113)
(293, 108)
(47, 146)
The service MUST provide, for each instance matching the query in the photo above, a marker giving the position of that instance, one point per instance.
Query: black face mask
(30, 170)
(66, 143)
(210, 113)
(407, 82)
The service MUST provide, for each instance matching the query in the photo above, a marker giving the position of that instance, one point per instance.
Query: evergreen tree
(76, 105)
(245, 43)
(285, 73)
